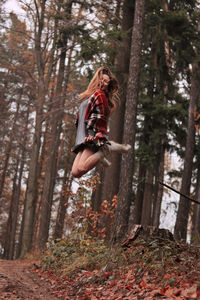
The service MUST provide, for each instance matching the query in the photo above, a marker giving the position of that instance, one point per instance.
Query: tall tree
(31, 195)
(127, 167)
(162, 106)
(110, 186)
(180, 230)
(195, 234)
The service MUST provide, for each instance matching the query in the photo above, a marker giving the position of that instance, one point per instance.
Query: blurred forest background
(48, 54)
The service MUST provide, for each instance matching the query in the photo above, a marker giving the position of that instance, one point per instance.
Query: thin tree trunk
(159, 175)
(29, 213)
(138, 204)
(9, 243)
(148, 198)
(51, 163)
(158, 190)
(195, 237)
(15, 216)
(144, 140)
(58, 232)
(9, 148)
(97, 193)
(31, 194)
(180, 230)
(66, 186)
(127, 167)
(19, 184)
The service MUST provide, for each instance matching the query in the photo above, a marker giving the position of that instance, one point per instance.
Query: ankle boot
(121, 148)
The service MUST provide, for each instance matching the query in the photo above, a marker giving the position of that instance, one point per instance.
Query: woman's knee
(78, 171)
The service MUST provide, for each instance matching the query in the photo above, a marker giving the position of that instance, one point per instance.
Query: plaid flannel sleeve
(96, 120)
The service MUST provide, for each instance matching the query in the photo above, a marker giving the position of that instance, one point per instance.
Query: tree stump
(146, 232)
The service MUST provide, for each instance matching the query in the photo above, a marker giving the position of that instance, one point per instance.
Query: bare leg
(76, 163)
(85, 161)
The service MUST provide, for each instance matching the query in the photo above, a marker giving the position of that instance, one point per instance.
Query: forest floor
(18, 280)
(144, 269)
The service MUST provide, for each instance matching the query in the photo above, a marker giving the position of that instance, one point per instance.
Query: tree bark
(30, 201)
(148, 198)
(51, 163)
(195, 237)
(10, 251)
(58, 232)
(180, 230)
(110, 185)
(66, 186)
(9, 147)
(127, 167)
(31, 194)
(9, 242)
(158, 190)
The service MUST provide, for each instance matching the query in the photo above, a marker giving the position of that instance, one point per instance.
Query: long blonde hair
(95, 84)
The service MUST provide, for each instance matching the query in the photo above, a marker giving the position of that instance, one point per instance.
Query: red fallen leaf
(129, 274)
(152, 287)
(129, 287)
(156, 292)
(162, 291)
(143, 284)
(92, 297)
(87, 273)
(107, 274)
(169, 292)
(190, 292)
(112, 283)
(177, 292)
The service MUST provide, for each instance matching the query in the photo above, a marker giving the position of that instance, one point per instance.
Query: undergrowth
(146, 255)
(146, 258)
(85, 253)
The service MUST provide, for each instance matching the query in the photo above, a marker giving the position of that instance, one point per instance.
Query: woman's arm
(96, 116)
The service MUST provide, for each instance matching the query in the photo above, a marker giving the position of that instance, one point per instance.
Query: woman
(91, 141)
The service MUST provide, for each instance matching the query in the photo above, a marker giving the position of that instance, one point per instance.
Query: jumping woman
(92, 144)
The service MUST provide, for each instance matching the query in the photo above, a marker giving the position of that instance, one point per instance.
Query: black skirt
(92, 145)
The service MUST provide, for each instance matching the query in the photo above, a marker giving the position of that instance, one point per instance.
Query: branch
(169, 187)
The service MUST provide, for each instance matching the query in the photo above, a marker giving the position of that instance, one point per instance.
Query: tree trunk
(32, 182)
(51, 163)
(158, 190)
(58, 232)
(148, 198)
(180, 230)
(127, 167)
(138, 204)
(110, 185)
(195, 236)
(13, 216)
(66, 186)
(9, 242)
(97, 198)
(9, 148)
(31, 194)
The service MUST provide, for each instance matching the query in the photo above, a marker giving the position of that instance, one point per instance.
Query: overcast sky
(12, 5)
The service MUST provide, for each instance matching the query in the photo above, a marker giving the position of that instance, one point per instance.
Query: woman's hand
(89, 138)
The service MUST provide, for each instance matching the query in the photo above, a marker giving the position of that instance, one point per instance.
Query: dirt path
(19, 281)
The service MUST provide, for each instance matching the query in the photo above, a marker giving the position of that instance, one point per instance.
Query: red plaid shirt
(96, 116)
